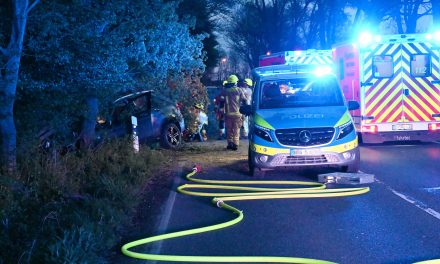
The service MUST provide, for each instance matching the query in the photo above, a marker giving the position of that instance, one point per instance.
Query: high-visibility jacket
(233, 98)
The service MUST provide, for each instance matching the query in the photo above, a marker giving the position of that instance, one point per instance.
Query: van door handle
(406, 92)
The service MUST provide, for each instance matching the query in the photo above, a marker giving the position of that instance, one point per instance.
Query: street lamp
(222, 68)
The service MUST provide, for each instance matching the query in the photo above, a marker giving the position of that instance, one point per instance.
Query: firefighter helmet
(248, 82)
(198, 106)
(233, 79)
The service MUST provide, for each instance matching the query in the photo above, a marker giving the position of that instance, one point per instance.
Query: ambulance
(396, 80)
(299, 118)
(310, 56)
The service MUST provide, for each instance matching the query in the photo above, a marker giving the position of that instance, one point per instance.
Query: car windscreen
(300, 92)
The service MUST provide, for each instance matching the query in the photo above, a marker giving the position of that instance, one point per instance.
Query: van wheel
(171, 137)
(360, 140)
(254, 171)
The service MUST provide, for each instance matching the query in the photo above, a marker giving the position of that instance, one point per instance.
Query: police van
(299, 118)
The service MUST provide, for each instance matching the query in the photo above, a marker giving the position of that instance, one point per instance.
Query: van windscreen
(301, 92)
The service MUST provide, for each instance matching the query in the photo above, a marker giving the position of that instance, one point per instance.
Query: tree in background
(17, 11)
(198, 10)
(254, 27)
(401, 14)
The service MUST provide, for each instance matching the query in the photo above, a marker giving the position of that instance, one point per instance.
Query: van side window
(421, 65)
(383, 66)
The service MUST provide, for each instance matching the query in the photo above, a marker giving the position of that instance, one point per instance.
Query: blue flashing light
(322, 71)
(365, 38)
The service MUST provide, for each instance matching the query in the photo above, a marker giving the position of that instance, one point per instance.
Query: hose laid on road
(315, 190)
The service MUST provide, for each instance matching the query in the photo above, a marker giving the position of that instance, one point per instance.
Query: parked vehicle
(150, 118)
(396, 79)
(298, 118)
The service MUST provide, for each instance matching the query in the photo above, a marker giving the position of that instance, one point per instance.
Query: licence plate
(402, 127)
(299, 152)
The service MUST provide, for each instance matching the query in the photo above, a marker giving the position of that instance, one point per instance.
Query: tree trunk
(7, 126)
(8, 82)
(87, 135)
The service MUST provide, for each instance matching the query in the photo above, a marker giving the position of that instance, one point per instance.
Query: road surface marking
(167, 211)
(417, 203)
(413, 201)
(433, 190)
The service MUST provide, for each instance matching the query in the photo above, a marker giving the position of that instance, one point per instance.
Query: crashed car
(148, 117)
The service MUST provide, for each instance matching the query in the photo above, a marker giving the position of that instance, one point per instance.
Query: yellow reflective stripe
(389, 108)
(427, 97)
(269, 151)
(261, 122)
(385, 90)
(342, 147)
(410, 114)
(394, 115)
(344, 119)
(274, 151)
(387, 105)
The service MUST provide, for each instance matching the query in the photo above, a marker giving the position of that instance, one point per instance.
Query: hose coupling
(197, 168)
(219, 203)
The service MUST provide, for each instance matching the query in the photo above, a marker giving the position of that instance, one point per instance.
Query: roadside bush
(72, 209)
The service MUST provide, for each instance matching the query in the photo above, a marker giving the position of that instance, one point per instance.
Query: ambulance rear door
(381, 85)
(421, 94)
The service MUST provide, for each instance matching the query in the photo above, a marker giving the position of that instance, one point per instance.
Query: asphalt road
(398, 221)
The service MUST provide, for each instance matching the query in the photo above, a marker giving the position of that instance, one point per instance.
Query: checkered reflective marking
(423, 98)
(401, 98)
(311, 59)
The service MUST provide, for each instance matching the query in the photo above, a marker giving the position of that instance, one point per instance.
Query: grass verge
(72, 209)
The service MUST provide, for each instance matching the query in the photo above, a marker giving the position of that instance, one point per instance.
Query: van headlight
(263, 133)
(345, 129)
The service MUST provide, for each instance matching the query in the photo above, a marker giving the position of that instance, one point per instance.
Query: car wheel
(354, 166)
(171, 137)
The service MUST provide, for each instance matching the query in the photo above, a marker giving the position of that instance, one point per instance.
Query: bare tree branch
(31, 6)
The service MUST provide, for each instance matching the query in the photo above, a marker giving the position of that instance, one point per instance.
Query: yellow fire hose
(315, 190)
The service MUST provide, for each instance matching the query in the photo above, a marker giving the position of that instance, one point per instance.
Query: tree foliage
(80, 50)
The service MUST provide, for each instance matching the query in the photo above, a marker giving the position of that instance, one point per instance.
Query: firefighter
(233, 98)
(246, 85)
(219, 109)
(201, 122)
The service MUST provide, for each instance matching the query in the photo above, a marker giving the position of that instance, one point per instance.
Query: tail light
(433, 127)
(369, 129)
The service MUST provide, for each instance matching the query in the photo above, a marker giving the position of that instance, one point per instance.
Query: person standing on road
(246, 85)
(219, 108)
(233, 98)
